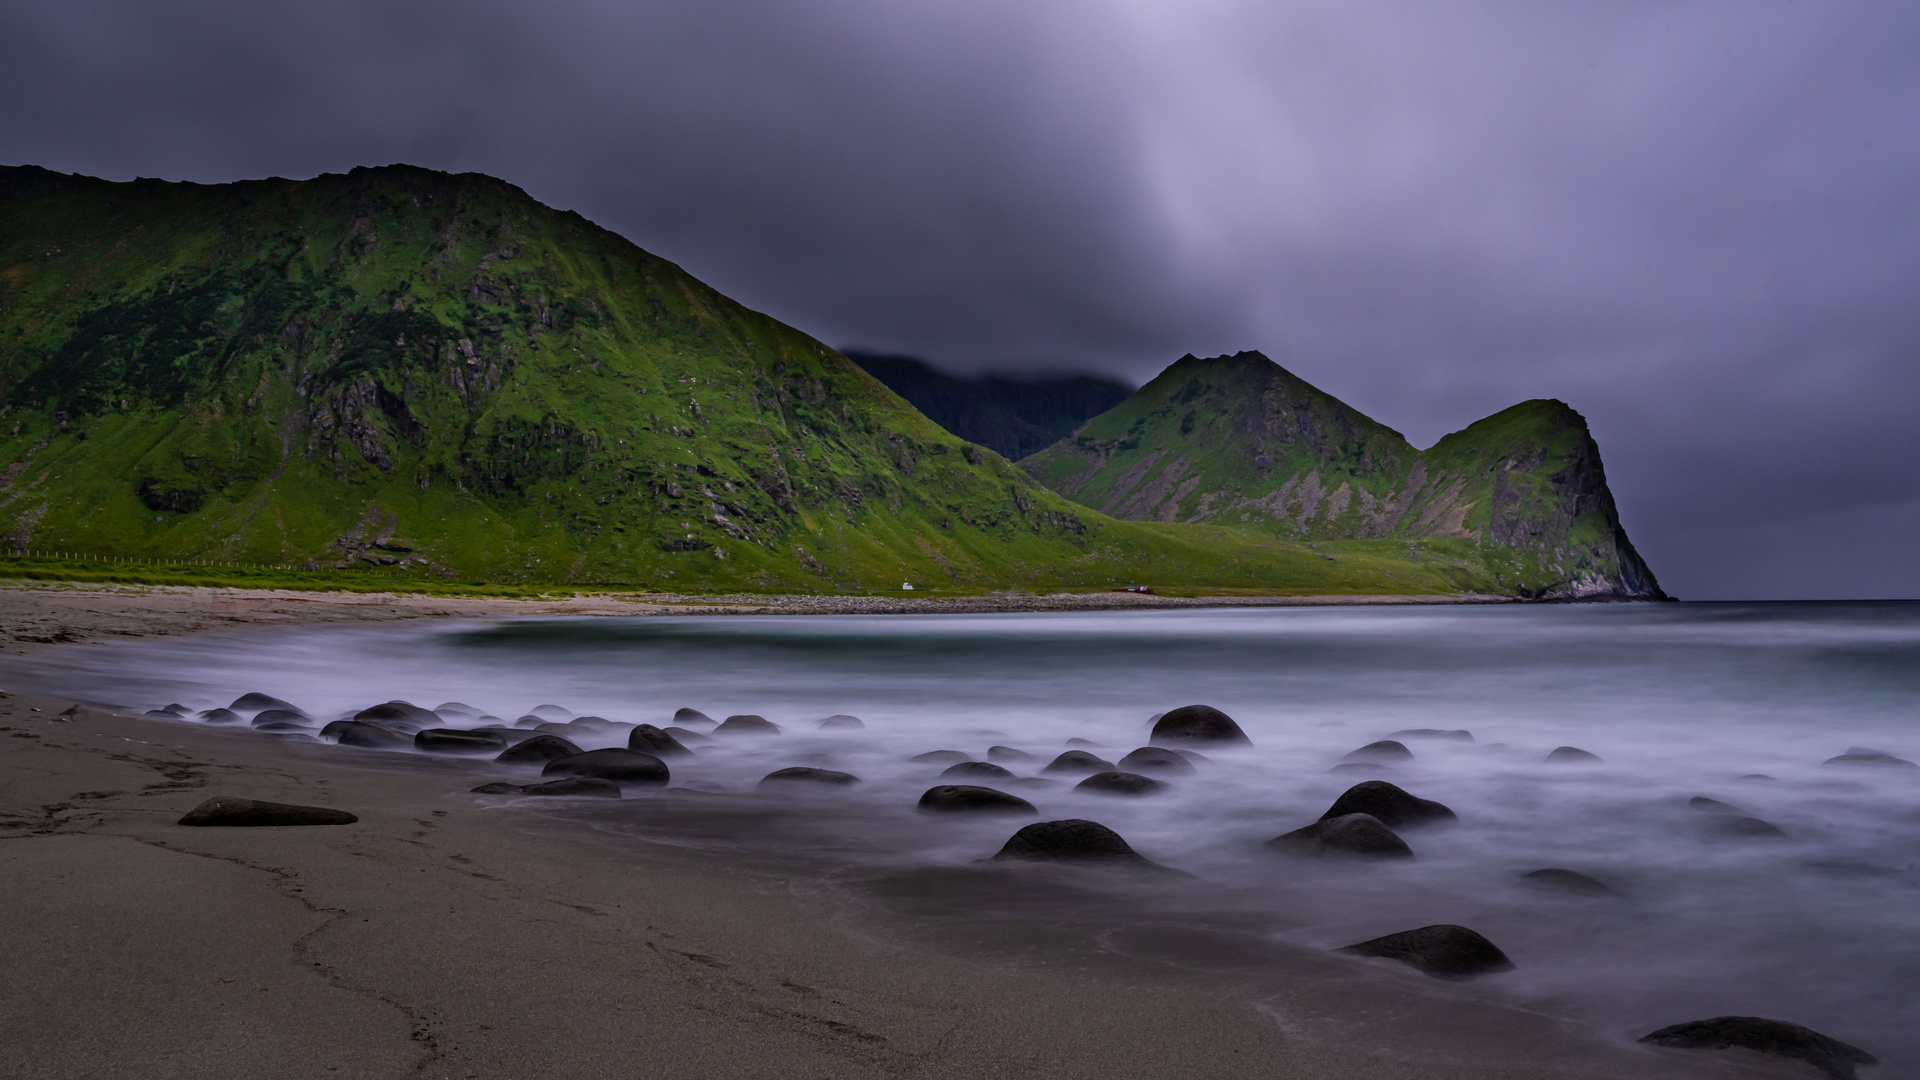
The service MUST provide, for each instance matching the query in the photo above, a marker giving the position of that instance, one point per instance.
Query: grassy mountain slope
(437, 374)
(1012, 417)
(1240, 441)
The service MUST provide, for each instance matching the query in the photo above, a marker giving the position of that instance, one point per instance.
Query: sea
(1741, 703)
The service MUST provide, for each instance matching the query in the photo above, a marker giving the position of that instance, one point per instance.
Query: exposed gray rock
(652, 740)
(1150, 759)
(1565, 881)
(747, 724)
(1349, 834)
(247, 813)
(969, 799)
(1443, 950)
(842, 722)
(1392, 806)
(1572, 755)
(979, 770)
(1777, 1037)
(1384, 750)
(1120, 783)
(807, 775)
(1197, 725)
(1078, 761)
(623, 767)
(1008, 753)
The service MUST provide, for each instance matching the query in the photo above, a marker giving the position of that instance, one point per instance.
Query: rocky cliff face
(1240, 441)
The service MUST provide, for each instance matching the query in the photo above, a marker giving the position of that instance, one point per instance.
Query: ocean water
(1820, 927)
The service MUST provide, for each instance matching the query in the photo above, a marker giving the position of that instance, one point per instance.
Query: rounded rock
(1390, 805)
(1078, 761)
(220, 716)
(941, 757)
(1456, 735)
(250, 813)
(984, 770)
(652, 740)
(747, 724)
(1776, 1037)
(806, 774)
(1443, 950)
(1572, 755)
(620, 766)
(1007, 753)
(458, 741)
(367, 736)
(1197, 724)
(1860, 755)
(255, 702)
(692, 718)
(1157, 759)
(1349, 834)
(1565, 881)
(969, 799)
(400, 712)
(842, 722)
(1071, 840)
(1120, 783)
(1384, 750)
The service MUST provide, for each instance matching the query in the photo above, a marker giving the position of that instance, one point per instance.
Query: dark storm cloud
(1696, 222)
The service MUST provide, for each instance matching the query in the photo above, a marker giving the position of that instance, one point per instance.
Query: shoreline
(442, 936)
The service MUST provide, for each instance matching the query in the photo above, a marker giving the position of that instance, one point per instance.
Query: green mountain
(1241, 441)
(434, 374)
(1012, 417)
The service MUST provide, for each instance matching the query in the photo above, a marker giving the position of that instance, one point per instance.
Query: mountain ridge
(1012, 416)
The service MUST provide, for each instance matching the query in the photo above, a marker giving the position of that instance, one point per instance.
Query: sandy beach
(447, 935)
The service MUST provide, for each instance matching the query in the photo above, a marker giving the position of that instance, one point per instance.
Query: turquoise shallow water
(1821, 927)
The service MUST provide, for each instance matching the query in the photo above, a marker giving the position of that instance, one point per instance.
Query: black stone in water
(249, 813)
(1566, 881)
(1078, 761)
(537, 751)
(1349, 834)
(1196, 724)
(651, 740)
(842, 722)
(400, 712)
(967, 798)
(1392, 805)
(220, 716)
(1072, 839)
(941, 757)
(620, 766)
(1443, 950)
(458, 741)
(364, 735)
(692, 718)
(1157, 759)
(592, 787)
(981, 769)
(1572, 755)
(1007, 753)
(1120, 783)
(255, 702)
(1860, 755)
(498, 787)
(1083, 742)
(1777, 1037)
(803, 774)
(747, 724)
(1457, 734)
(1384, 750)
(281, 716)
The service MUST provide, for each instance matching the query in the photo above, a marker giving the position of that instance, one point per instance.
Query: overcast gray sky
(1696, 222)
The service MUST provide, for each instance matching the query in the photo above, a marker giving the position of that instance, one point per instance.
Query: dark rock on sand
(1191, 724)
(1071, 840)
(281, 716)
(1572, 755)
(1157, 759)
(1120, 783)
(966, 798)
(1078, 761)
(687, 735)
(161, 714)
(255, 702)
(220, 716)
(400, 712)
(362, 734)
(806, 774)
(982, 770)
(1007, 753)
(1390, 805)
(941, 757)
(620, 766)
(1566, 881)
(1777, 1037)
(1444, 951)
(1861, 755)
(1349, 834)
(1083, 742)
(842, 722)
(458, 741)
(692, 718)
(537, 751)
(747, 724)
(593, 787)
(1384, 750)
(498, 787)
(652, 740)
(225, 811)
(1457, 734)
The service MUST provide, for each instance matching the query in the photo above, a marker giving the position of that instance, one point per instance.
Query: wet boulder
(511, 735)
(977, 770)
(1349, 834)
(552, 712)
(498, 787)
(1390, 805)
(941, 757)
(1155, 759)
(1776, 1037)
(283, 728)
(529, 721)
(842, 722)
(1078, 761)
(620, 766)
(1071, 840)
(1120, 783)
(220, 716)
(455, 708)
(281, 716)
(747, 724)
(592, 787)
(1572, 755)
(1384, 750)
(687, 735)
(248, 813)
(1560, 880)
(692, 718)
(1005, 754)
(170, 712)
(969, 799)
(652, 740)
(1197, 725)
(1083, 742)
(257, 702)
(367, 736)
(400, 714)
(1861, 755)
(1455, 735)
(458, 741)
(1729, 821)
(1443, 950)
(806, 775)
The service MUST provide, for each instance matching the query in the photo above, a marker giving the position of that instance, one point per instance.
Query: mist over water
(1821, 927)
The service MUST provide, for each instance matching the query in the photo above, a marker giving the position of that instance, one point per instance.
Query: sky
(1698, 223)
